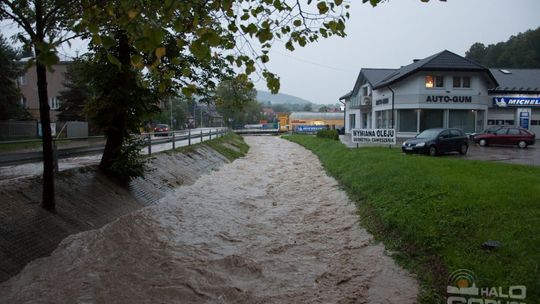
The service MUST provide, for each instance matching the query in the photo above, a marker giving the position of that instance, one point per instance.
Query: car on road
(513, 136)
(161, 130)
(437, 141)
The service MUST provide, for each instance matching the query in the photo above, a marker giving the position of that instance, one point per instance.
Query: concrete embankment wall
(86, 199)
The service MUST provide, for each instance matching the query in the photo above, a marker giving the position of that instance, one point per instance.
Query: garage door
(535, 122)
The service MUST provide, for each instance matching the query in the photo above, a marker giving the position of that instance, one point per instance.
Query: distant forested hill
(280, 98)
(520, 51)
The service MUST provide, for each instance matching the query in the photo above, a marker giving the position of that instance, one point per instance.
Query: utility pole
(172, 126)
(194, 116)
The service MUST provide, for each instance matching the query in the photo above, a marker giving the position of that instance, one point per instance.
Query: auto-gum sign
(374, 136)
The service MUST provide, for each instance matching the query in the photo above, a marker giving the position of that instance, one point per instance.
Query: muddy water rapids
(271, 227)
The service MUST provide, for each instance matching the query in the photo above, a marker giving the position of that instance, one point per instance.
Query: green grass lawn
(435, 213)
(230, 145)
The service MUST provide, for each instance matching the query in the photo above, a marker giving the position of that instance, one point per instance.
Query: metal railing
(170, 140)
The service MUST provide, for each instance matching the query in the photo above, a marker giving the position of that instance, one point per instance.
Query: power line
(315, 63)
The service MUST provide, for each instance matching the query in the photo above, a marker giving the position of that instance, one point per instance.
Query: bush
(130, 163)
(332, 134)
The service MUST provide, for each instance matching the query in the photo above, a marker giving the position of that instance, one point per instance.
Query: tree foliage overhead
(241, 32)
(520, 51)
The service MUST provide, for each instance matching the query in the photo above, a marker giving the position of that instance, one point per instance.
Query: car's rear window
(502, 131)
(455, 133)
(513, 131)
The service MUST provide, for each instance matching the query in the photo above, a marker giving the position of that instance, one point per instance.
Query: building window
(54, 103)
(431, 119)
(354, 102)
(352, 121)
(461, 119)
(439, 81)
(500, 122)
(462, 82)
(466, 82)
(384, 119)
(21, 80)
(364, 120)
(381, 101)
(434, 81)
(407, 120)
(24, 102)
(457, 82)
(429, 82)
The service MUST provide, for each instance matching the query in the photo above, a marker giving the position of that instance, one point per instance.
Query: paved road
(34, 169)
(268, 228)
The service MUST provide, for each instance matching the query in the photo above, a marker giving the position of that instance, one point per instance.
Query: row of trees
(520, 51)
(234, 98)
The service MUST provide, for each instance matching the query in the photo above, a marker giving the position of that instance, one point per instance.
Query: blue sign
(309, 129)
(504, 102)
(524, 120)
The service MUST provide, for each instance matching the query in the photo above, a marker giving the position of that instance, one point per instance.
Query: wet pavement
(507, 154)
(268, 228)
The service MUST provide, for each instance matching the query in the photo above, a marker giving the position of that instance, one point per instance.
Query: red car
(160, 130)
(506, 136)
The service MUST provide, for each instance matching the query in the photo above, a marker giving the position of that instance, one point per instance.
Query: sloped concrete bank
(86, 199)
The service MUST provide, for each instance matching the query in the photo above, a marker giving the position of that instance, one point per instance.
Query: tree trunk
(117, 131)
(115, 139)
(48, 201)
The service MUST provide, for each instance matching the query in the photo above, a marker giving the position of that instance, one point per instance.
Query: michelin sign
(504, 102)
(374, 136)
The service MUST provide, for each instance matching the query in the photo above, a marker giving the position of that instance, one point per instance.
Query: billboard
(503, 102)
(309, 129)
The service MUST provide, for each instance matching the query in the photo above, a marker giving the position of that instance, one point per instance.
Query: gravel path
(268, 228)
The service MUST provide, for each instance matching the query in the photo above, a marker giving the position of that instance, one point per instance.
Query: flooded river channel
(268, 228)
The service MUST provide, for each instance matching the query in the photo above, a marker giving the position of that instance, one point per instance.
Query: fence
(9, 129)
(169, 140)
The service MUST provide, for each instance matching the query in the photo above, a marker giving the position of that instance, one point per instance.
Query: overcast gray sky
(387, 36)
(391, 35)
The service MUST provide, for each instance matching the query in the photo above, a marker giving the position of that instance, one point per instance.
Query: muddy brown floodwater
(268, 228)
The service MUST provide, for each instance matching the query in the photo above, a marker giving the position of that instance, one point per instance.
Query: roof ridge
(433, 57)
(469, 60)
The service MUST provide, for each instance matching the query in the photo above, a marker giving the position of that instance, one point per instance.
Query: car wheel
(483, 142)
(432, 151)
(522, 144)
(463, 149)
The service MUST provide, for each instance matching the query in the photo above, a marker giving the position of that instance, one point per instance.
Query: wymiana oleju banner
(374, 136)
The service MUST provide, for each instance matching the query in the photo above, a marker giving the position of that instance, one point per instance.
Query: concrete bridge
(257, 131)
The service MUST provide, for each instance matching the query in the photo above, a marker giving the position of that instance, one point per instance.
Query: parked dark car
(506, 136)
(437, 141)
(161, 130)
